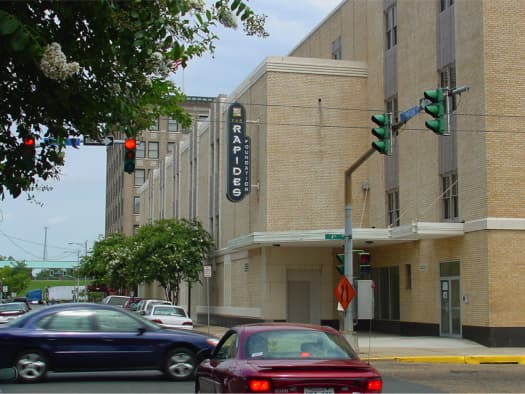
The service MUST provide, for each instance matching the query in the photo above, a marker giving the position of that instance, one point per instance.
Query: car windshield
(117, 300)
(297, 344)
(166, 310)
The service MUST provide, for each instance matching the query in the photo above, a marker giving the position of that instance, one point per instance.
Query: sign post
(207, 275)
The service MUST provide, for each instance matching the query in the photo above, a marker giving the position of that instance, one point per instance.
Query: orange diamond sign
(344, 292)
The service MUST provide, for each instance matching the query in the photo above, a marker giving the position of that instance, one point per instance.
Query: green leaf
(241, 8)
(235, 4)
(8, 24)
(20, 40)
(246, 14)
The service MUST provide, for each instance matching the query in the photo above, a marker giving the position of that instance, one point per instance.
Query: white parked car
(115, 300)
(144, 306)
(169, 316)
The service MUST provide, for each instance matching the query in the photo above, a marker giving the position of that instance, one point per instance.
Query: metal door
(450, 307)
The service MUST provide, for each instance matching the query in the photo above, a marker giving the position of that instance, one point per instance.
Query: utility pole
(348, 324)
(45, 244)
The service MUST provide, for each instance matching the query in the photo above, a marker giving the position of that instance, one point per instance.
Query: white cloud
(57, 220)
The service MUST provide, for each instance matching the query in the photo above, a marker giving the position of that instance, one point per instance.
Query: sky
(71, 217)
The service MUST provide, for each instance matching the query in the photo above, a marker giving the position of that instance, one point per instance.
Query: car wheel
(31, 366)
(180, 364)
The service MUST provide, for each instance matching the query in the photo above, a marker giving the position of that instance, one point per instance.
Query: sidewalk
(385, 347)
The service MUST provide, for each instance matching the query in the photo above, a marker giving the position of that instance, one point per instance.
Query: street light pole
(78, 264)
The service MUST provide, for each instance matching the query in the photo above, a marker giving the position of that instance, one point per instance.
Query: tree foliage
(167, 252)
(16, 277)
(171, 252)
(109, 262)
(93, 68)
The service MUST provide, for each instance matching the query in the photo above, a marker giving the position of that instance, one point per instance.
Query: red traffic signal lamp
(130, 153)
(29, 142)
(364, 258)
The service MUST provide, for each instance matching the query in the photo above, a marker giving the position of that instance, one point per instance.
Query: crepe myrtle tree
(95, 68)
(109, 262)
(170, 252)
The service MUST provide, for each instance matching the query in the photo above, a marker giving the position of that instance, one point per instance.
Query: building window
(446, 4)
(391, 27)
(136, 205)
(173, 125)
(141, 150)
(393, 208)
(155, 125)
(450, 196)
(448, 80)
(336, 49)
(386, 280)
(171, 147)
(153, 150)
(140, 176)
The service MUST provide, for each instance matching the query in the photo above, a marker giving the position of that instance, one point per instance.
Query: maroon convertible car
(285, 358)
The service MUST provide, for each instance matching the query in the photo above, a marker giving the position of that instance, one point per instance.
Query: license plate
(318, 390)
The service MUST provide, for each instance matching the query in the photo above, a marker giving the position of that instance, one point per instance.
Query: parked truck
(65, 293)
(35, 296)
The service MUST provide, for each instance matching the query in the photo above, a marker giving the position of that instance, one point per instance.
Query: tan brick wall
(505, 277)
(309, 146)
(504, 86)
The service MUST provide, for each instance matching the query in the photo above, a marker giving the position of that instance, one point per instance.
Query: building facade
(442, 217)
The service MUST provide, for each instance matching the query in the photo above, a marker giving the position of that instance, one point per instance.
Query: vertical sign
(238, 177)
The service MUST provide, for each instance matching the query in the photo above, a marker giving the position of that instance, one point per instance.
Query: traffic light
(28, 152)
(383, 132)
(130, 152)
(436, 108)
(364, 259)
(364, 263)
(340, 267)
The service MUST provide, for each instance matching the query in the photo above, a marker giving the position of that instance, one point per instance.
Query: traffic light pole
(348, 324)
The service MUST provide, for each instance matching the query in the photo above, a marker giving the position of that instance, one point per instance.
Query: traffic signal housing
(436, 108)
(340, 267)
(130, 153)
(28, 151)
(383, 133)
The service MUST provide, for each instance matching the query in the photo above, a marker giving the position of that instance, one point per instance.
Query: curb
(481, 359)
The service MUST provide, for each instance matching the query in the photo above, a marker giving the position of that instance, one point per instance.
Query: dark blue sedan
(96, 337)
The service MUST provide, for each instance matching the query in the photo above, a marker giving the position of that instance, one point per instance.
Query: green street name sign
(330, 236)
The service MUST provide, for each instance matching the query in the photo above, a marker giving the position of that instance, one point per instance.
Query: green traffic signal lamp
(130, 153)
(436, 109)
(383, 133)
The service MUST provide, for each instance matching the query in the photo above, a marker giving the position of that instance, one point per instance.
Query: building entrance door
(450, 307)
(299, 301)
